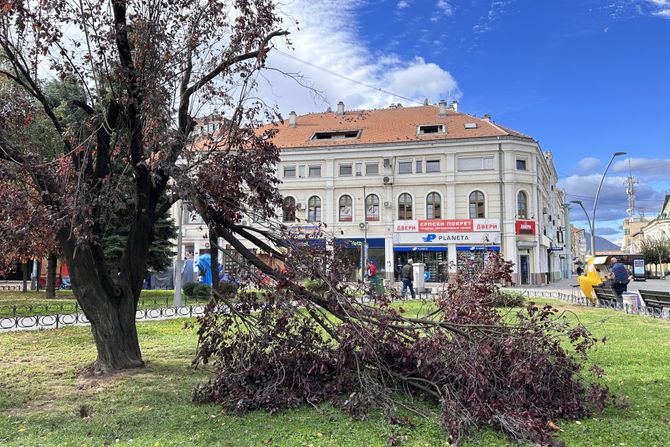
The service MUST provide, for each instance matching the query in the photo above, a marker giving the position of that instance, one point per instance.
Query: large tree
(147, 68)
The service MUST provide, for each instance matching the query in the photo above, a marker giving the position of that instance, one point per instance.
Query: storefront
(526, 244)
(352, 250)
(437, 243)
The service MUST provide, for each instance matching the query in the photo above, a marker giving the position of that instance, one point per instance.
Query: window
(476, 204)
(289, 171)
(522, 205)
(419, 166)
(372, 208)
(434, 206)
(301, 171)
(432, 165)
(475, 163)
(314, 209)
(521, 165)
(345, 169)
(345, 209)
(339, 135)
(371, 168)
(315, 171)
(359, 169)
(405, 167)
(470, 125)
(405, 207)
(288, 209)
(433, 128)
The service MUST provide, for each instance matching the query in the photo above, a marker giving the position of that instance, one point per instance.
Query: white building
(425, 183)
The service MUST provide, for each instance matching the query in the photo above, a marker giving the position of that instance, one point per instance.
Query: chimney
(292, 119)
(487, 118)
(454, 105)
(443, 108)
(340, 108)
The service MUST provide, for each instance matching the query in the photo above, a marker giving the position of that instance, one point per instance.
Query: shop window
(405, 207)
(476, 204)
(288, 209)
(522, 205)
(314, 209)
(345, 209)
(434, 206)
(372, 208)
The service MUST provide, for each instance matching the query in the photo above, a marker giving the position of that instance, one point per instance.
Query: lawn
(25, 304)
(42, 399)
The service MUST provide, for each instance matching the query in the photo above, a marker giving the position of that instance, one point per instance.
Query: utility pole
(178, 263)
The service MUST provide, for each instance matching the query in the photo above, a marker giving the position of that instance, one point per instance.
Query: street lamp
(595, 202)
(588, 220)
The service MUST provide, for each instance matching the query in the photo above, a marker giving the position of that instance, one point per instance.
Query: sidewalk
(565, 286)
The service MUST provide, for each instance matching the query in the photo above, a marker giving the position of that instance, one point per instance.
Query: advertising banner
(446, 238)
(446, 226)
(525, 227)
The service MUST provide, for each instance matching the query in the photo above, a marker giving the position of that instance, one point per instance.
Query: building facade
(426, 183)
(633, 228)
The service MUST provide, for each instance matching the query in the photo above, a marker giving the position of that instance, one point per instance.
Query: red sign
(525, 227)
(445, 225)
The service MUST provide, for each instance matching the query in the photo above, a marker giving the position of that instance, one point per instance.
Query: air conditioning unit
(363, 225)
(388, 180)
(299, 206)
(387, 162)
(387, 204)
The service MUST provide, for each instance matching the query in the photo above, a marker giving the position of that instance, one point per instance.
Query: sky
(584, 78)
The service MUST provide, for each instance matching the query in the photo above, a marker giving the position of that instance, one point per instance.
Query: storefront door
(524, 269)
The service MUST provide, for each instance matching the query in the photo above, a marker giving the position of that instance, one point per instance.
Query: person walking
(407, 276)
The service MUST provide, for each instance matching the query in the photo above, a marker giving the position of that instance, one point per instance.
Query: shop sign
(525, 227)
(304, 230)
(446, 238)
(446, 226)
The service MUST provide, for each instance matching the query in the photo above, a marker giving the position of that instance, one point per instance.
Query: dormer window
(337, 135)
(431, 129)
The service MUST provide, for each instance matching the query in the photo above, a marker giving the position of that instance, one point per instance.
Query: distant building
(578, 246)
(427, 183)
(659, 227)
(633, 233)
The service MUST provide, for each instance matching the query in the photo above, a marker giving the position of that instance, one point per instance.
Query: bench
(606, 296)
(655, 300)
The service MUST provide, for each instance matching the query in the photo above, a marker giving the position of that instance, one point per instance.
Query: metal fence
(580, 300)
(48, 309)
(79, 319)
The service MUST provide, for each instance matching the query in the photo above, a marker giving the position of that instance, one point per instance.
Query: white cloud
(327, 49)
(444, 7)
(403, 4)
(588, 165)
(647, 168)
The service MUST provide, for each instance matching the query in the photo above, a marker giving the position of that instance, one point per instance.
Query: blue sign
(358, 242)
(429, 237)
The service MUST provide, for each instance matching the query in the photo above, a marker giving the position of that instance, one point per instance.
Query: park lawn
(41, 396)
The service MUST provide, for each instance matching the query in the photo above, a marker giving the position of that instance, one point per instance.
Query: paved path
(565, 286)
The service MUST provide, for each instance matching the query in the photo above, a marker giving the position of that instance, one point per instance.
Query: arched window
(345, 210)
(522, 205)
(434, 206)
(405, 207)
(288, 210)
(314, 209)
(372, 208)
(476, 204)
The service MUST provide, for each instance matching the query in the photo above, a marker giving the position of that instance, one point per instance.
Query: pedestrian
(398, 270)
(620, 278)
(371, 272)
(580, 270)
(407, 276)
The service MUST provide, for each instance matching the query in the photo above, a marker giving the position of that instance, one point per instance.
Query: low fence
(580, 300)
(48, 309)
(56, 321)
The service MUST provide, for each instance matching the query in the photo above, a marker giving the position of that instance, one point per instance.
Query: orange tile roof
(392, 125)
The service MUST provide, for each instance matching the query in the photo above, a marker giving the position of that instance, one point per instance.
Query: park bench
(655, 300)
(606, 296)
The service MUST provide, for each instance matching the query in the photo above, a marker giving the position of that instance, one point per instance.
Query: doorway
(524, 268)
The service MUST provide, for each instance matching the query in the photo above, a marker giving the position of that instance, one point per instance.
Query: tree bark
(51, 275)
(24, 270)
(109, 303)
(214, 258)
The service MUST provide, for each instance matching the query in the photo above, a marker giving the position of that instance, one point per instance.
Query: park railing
(59, 320)
(580, 300)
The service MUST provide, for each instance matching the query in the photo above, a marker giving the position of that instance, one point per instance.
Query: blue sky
(585, 78)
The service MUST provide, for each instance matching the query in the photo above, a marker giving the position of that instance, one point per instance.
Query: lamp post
(588, 220)
(595, 202)
(179, 262)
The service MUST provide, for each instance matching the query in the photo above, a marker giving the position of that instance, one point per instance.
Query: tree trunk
(51, 275)
(214, 259)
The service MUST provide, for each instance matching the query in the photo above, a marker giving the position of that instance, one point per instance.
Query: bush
(227, 288)
(508, 299)
(196, 290)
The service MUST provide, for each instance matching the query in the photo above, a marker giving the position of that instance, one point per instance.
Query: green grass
(41, 395)
(35, 303)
